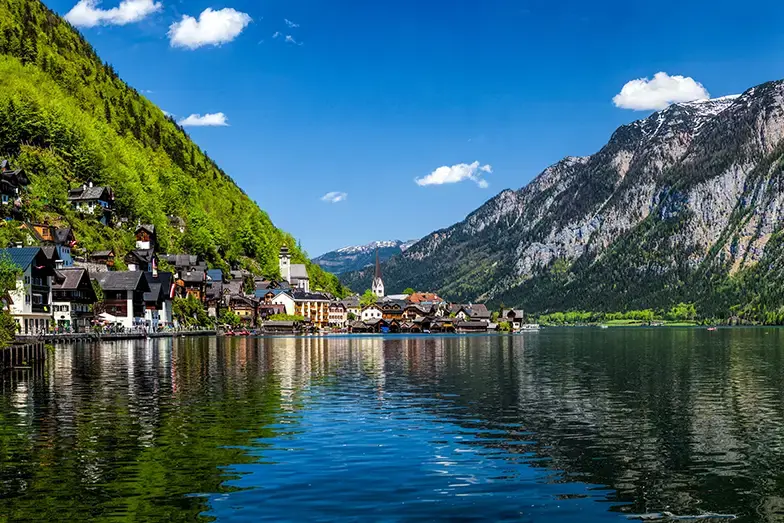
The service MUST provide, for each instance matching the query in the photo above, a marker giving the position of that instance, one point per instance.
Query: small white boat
(529, 327)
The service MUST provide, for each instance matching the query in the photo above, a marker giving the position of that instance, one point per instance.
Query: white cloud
(212, 28)
(457, 173)
(334, 197)
(290, 39)
(643, 94)
(86, 13)
(277, 34)
(208, 120)
(290, 23)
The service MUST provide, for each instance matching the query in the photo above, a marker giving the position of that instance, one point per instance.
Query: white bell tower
(284, 261)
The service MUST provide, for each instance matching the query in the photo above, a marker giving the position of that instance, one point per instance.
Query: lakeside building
(296, 274)
(73, 297)
(124, 293)
(30, 303)
(338, 315)
(158, 300)
(377, 286)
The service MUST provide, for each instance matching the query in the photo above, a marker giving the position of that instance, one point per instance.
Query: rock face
(673, 207)
(358, 257)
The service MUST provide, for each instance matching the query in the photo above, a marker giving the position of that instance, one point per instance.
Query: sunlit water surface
(561, 425)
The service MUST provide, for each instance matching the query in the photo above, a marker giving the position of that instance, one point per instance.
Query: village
(60, 292)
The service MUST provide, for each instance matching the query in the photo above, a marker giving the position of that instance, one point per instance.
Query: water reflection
(563, 425)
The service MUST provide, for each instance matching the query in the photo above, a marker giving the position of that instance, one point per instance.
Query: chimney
(90, 184)
(18, 245)
(59, 264)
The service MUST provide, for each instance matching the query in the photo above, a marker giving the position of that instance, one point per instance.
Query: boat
(711, 329)
(529, 327)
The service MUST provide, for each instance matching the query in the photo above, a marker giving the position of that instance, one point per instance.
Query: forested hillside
(67, 118)
(686, 205)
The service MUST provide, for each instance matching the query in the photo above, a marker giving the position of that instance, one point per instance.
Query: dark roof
(22, 257)
(89, 193)
(215, 275)
(146, 227)
(50, 251)
(102, 254)
(140, 255)
(181, 260)
(62, 235)
(68, 279)
(350, 302)
(122, 281)
(251, 302)
(471, 324)
(518, 313)
(160, 286)
(308, 296)
(193, 277)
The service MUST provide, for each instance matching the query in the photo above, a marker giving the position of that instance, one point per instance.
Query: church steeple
(378, 282)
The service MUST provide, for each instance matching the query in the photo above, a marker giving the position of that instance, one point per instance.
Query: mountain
(357, 257)
(684, 205)
(66, 118)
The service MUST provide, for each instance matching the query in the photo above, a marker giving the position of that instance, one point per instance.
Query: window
(27, 298)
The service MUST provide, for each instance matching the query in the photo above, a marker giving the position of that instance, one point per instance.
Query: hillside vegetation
(67, 118)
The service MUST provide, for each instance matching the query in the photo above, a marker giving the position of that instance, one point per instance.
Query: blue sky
(371, 96)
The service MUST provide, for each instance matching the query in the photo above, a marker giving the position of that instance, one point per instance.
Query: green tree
(368, 298)
(229, 318)
(9, 273)
(409, 291)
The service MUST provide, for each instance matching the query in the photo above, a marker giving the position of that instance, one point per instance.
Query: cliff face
(681, 205)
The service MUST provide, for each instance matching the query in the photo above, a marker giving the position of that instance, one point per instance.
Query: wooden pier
(112, 336)
(22, 355)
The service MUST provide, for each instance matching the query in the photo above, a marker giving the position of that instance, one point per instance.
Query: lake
(562, 425)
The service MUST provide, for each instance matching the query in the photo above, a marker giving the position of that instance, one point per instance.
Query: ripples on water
(561, 425)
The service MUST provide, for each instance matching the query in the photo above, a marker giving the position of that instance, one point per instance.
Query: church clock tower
(378, 283)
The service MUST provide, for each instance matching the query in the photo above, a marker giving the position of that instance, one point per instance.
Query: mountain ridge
(670, 209)
(356, 257)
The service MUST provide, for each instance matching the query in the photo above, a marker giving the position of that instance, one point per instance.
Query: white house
(371, 312)
(123, 297)
(294, 273)
(285, 299)
(31, 301)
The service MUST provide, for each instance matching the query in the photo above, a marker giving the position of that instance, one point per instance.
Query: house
(420, 297)
(158, 300)
(353, 308)
(371, 313)
(192, 283)
(61, 238)
(93, 200)
(413, 312)
(102, 258)
(12, 181)
(313, 306)
(514, 317)
(177, 223)
(30, 303)
(338, 315)
(185, 262)
(140, 260)
(146, 238)
(73, 297)
(282, 327)
(472, 312)
(358, 327)
(471, 326)
(214, 292)
(246, 308)
(391, 310)
(296, 274)
(123, 297)
(284, 298)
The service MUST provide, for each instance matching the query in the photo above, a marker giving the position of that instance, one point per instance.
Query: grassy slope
(67, 118)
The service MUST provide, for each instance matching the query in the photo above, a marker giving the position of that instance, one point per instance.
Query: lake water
(562, 425)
